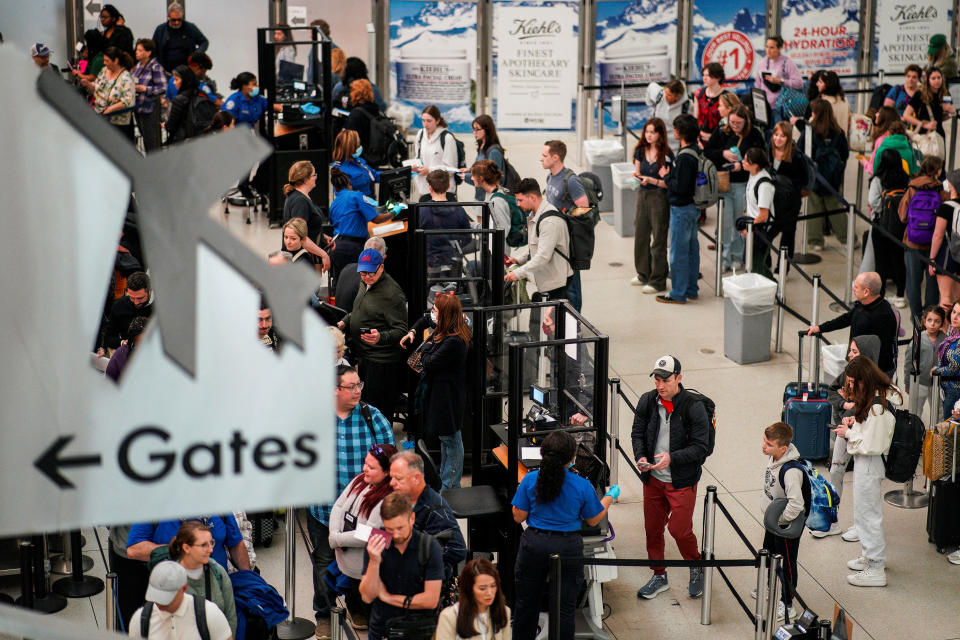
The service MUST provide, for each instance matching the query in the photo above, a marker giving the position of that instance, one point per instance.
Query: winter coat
(444, 373)
(792, 488)
(872, 436)
(689, 427)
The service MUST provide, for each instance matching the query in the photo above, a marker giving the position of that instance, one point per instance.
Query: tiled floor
(922, 600)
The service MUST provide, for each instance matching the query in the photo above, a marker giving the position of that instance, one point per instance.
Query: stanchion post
(77, 585)
(935, 401)
(613, 427)
(764, 558)
(26, 575)
(718, 289)
(815, 321)
(773, 594)
(293, 628)
(111, 618)
(851, 239)
(581, 122)
(748, 258)
(553, 624)
(709, 530)
(336, 623)
(782, 297)
(953, 139)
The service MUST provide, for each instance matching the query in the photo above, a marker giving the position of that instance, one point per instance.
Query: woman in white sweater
(868, 433)
(359, 504)
(436, 149)
(481, 613)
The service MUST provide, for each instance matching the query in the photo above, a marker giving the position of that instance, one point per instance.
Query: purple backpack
(922, 216)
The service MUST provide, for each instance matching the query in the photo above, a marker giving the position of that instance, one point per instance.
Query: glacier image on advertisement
(433, 59)
(822, 34)
(635, 44)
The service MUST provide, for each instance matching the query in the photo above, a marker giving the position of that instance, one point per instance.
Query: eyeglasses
(174, 20)
(205, 545)
(351, 387)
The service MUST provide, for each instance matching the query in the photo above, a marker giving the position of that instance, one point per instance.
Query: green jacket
(901, 145)
(382, 307)
(221, 592)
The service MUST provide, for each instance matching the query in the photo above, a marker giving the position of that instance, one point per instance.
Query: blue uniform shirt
(577, 501)
(203, 87)
(350, 212)
(225, 532)
(361, 175)
(243, 109)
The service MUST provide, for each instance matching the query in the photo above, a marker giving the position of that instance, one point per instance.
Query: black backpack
(888, 216)
(711, 409)
(580, 228)
(199, 114)
(511, 177)
(786, 200)
(592, 187)
(380, 142)
(199, 612)
(905, 448)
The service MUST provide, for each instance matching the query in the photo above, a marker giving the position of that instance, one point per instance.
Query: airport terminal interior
(706, 335)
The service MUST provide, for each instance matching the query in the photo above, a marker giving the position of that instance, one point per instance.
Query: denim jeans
(684, 252)
(451, 461)
(919, 281)
(734, 206)
(322, 556)
(574, 292)
(951, 394)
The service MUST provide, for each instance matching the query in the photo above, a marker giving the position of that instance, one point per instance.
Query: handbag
(723, 181)
(930, 143)
(412, 625)
(859, 134)
(415, 359)
(939, 450)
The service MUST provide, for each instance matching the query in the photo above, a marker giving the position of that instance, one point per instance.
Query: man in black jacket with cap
(670, 439)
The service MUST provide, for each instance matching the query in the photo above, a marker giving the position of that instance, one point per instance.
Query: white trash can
(749, 301)
(625, 188)
(600, 155)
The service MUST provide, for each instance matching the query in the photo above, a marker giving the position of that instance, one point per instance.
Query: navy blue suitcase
(805, 408)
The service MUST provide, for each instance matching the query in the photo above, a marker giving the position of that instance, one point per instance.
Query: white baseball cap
(166, 580)
(665, 366)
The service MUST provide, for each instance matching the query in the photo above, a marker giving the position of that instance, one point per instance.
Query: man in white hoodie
(783, 480)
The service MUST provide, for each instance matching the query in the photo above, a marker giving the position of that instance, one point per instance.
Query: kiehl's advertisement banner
(535, 64)
(904, 29)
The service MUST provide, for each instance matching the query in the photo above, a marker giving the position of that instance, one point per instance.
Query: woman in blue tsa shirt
(553, 500)
(245, 104)
(347, 152)
(350, 212)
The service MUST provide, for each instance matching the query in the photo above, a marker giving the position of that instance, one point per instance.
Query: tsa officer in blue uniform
(347, 153)
(245, 104)
(553, 500)
(350, 212)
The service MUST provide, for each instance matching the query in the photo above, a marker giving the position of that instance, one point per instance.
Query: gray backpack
(706, 193)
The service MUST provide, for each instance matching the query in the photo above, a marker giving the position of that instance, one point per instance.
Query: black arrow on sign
(50, 463)
(92, 8)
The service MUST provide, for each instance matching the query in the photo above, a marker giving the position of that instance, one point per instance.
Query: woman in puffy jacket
(868, 433)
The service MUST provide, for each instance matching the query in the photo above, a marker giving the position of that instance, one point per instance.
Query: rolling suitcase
(943, 517)
(805, 408)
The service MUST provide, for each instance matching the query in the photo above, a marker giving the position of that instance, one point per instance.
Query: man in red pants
(670, 435)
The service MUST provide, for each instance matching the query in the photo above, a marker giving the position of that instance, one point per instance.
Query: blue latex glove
(310, 108)
(613, 492)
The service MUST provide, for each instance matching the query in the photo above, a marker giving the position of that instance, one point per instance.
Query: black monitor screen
(395, 185)
(289, 72)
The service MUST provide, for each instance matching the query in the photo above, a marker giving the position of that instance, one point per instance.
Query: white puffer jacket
(872, 437)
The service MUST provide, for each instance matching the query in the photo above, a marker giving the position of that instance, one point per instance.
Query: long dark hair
(556, 452)
(450, 320)
(383, 453)
(824, 122)
(490, 136)
(865, 383)
(661, 144)
(890, 171)
(885, 117)
(434, 113)
(467, 615)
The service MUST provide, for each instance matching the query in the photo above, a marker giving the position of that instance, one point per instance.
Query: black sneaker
(696, 582)
(666, 299)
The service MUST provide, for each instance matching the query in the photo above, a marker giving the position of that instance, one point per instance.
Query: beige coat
(539, 260)
(447, 627)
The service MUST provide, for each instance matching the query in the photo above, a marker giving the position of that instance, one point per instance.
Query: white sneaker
(899, 302)
(833, 531)
(858, 564)
(851, 535)
(753, 594)
(954, 558)
(649, 288)
(869, 577)
(781, 611)
(635, 281)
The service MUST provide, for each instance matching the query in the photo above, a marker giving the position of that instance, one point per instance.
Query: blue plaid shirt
(353, 442)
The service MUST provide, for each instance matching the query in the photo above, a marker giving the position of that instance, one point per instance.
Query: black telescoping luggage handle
(816, 383)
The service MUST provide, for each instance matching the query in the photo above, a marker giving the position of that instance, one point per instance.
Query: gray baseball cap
(166, 579)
